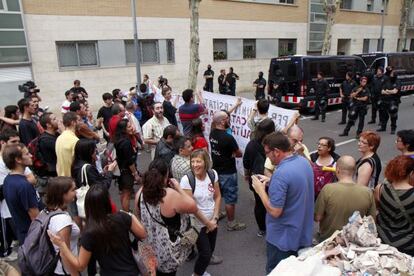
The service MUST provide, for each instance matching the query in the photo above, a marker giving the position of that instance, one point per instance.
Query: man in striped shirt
(190, 110)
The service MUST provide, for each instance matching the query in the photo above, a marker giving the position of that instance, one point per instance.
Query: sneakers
(222, 215)
(235, 226)
(11, 258)
(215, 260)
(261, 233)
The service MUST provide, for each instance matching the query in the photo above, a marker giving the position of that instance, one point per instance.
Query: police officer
(222, 82)
(321, 93)
(209, 76)
(231, 78)
(390, 99)
(278, 88)
(358, 107)
(260, 84)
(375, 89)
(345, 90)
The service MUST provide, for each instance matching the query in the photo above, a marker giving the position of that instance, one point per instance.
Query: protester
(163, 200)
(368, 167)
(78, 89)
(105, 112)
(125, 156)
(66, 104)
(405, 142)
(118, 113)
(180, 164)
(65, 145)
(258, 114)
(129, 114)
(27, 126)
(395, 203)
(165, 148)
(253, 162)
(206, 192)
(289, 204)
(10, 112)
(106, 237)
(197, 135)
(190, 110)
(170, 107)
(20, 195)
(324, 157)
(47, 144)
(338, 201)
(224, 149)
(60, 193)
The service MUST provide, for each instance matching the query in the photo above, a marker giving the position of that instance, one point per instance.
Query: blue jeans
(228, 187)
(275, 255)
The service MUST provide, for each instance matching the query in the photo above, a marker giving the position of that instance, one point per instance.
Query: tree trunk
(405, 12)
(330, 9)
(194, 44)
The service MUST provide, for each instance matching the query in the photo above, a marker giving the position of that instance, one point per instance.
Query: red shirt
(200, 142)
(112, 125)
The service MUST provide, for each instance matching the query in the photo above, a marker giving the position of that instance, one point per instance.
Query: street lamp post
(136, 44)
(381, 41)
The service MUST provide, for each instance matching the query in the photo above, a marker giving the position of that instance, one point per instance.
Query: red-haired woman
(395, 201)
(368, 167)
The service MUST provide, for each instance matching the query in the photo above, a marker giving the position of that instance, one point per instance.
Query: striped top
(393, 227)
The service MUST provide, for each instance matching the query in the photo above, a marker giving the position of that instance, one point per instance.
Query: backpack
(38, 166)
(192, 180)
(37, 255)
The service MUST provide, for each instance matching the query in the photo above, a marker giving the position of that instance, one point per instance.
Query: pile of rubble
(356, 250)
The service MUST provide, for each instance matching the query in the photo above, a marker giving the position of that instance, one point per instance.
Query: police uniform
(321, 101)
(231, 80)
(357, 109)
(260, 92)
(209, 81)
(388, 107)
(376, 88)
(347, 87)
(222, 86)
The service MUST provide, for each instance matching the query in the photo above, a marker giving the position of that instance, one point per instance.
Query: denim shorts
(228, 187)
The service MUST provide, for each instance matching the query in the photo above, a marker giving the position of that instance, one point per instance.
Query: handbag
(81, 192)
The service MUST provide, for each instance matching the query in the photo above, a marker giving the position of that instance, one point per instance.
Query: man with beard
(47, 143)
(27, 126)
(209, 76)
(153, 129)
(224, 150)
(260, 84)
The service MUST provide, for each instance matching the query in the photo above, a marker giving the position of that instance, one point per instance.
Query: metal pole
(381, 43)
(136, 44)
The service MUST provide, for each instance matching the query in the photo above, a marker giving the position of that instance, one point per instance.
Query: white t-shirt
(56, 224)
(203, 195)
(65, 106)
(4, 171)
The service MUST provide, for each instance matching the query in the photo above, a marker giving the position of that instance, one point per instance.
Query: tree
(330, 7)
(194, 44)
(406, 6)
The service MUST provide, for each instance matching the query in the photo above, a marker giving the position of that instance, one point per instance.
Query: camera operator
(390, 99)
(29, 89)
(358, 107)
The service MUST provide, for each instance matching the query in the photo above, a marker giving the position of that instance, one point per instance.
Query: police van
(299, 76)
(402, 62)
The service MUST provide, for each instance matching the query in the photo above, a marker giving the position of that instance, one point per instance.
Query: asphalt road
(244, 253)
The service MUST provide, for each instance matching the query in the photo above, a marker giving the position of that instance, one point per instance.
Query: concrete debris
(354, 251)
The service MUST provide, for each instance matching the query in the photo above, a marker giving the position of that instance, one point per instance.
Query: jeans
(275, 255)
(206, 244)
(228, 187)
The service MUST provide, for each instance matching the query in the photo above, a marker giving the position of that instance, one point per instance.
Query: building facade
(58, 41)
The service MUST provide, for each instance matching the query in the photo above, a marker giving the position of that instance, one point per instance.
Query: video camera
(28, 88)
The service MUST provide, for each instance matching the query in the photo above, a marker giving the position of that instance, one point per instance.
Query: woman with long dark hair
(253, 161)
(106, 237)
(126, 158)
(160, 204)
(197, 135)
(60, 193)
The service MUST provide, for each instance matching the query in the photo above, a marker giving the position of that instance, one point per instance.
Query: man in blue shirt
(21, 197)
(289, 204)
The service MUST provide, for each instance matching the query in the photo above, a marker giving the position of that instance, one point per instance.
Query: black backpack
(192, 180)
(37, 255)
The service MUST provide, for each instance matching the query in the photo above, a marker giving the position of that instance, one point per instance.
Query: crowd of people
(46, 161)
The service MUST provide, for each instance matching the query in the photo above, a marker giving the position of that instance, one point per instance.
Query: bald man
(224, 149)
(337, 201)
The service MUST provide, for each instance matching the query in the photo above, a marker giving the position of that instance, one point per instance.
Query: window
(365, 47)
(287, 1)
(287, 47)
(1, 5)
(149, 51)
(412, 45)
(380, 46)
(249, 48)
(219, 49)
(370, 5)
(346, 4)
(77, 54)
(170, 51)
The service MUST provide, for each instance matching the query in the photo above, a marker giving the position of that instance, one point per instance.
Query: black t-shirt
(254, 157)
(375, 163)
(125, 154)
(105, 113)
(220, 83)
(27, 131)
(223, 146)
(209, 73)
(117, 262)
(260, 82)
(47, 150)
(79, 89)
(347, 87)
(169, 112)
